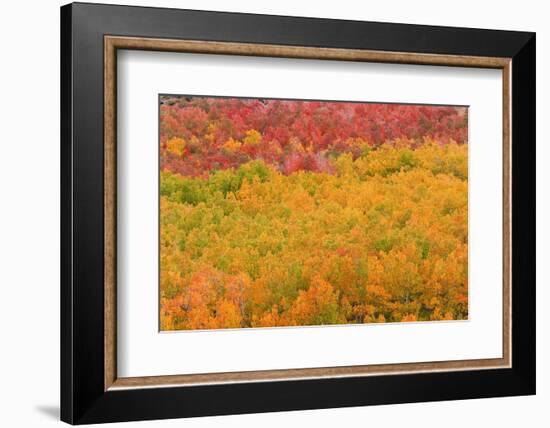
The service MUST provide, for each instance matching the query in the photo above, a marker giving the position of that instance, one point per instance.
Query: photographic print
(283, 212)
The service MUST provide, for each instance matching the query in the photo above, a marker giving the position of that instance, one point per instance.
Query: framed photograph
(266, 213)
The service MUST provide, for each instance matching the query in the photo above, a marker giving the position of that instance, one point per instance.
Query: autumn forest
(295, 213)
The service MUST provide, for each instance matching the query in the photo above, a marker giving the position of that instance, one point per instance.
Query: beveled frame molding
(113, 43)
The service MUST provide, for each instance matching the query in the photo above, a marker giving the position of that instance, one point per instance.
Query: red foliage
(293, 135)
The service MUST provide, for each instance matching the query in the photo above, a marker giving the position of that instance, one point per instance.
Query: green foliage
(382, 239)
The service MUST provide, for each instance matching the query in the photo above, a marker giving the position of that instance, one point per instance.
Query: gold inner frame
(113, 43)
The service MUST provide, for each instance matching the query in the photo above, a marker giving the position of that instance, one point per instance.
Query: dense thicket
(309, 229)
(203, 134)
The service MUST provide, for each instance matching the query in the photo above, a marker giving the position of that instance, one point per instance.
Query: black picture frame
(83, 398)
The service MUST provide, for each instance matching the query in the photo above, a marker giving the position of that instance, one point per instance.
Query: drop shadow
(48, 410)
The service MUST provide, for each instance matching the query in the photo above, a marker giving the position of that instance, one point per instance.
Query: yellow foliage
(252, 138)
(232, 145)
(384, 239)
(176, 146)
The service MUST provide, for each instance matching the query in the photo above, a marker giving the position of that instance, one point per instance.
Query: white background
(142, 351)
(29, 218)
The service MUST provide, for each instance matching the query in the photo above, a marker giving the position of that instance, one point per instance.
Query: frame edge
(524, 219)
(66, 316)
